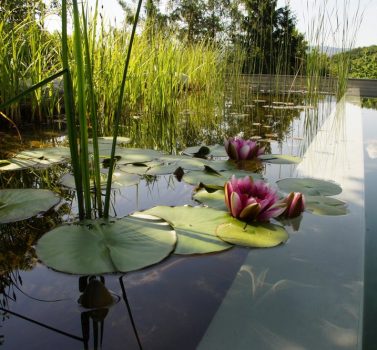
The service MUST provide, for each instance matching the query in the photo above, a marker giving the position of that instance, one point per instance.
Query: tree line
(266, 34)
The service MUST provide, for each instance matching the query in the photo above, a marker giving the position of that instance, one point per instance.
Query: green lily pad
(36, 158)
(213, 200)
(128, 155)
(21, 204)
(120, 179)
(4, 162)
(263, 235)
(321, 205)
(17, 164)
(309, 186)
(185, 162)
(221, 165)
(280, 159)
(108, 140)
(214, 180)
(195, 228)
(138, 168)
(165, 169)
(97, 247)
(215, 151)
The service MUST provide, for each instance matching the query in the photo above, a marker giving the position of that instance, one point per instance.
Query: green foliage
(269, 36)
(362, 62)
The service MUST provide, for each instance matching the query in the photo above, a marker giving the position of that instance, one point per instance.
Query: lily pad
(185, 162)
(309, 186)
(129, 155)
(108, 140)
(165, 169)
(195, 227)
(215, 150)
(97, 247)
(280, 159)
(21, 204)
(221, 165)
(138, 168)
(321, 205)
(120, 179)
(36, 158)
(214, 180)
(263, 235)
(213, 200)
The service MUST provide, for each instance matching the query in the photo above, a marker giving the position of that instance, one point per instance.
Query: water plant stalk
(93, 115)
(70, 114)
(81, 102)
(118, 113)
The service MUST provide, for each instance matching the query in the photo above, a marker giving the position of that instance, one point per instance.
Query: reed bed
(174, 89)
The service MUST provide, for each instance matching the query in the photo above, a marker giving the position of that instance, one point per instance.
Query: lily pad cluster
(142, 239)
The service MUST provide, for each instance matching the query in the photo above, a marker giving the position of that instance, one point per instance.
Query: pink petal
(244, 152)
(296, 207)
(233, 154)
(235, 204)
(228, 191)
(272, 212)
(250, 212)
(245, 184)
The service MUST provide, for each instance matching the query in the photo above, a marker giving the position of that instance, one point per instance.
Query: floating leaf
(309, 186)
(215, 150)
(164, 169)
(120, 179)
(214, 180)
(36, 158)
(97, 246)
(195, 227)
(213, 200)
(321, 205)
(4, 162)
(138, 168)
(21, 204)
(209, 170)
(280, 159)
(108, 140)
(262, 235)
(221, 165)
(203, 152)
(129, 155)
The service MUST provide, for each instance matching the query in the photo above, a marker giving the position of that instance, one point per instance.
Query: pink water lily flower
(250, 200)
(240, 149)
(295, 202)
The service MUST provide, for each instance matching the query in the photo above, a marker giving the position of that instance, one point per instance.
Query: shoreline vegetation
(181, 59)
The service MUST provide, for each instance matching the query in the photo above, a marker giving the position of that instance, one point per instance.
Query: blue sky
(359, 14)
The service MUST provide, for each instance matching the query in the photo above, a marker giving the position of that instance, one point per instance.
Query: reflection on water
(303, 295)
(311, 296)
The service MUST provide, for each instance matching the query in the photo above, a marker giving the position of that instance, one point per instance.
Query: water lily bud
(240, 149)
(295, 203)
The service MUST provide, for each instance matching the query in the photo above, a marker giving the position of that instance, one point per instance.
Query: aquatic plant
(295, 202)
(240, 149)
(251, 200)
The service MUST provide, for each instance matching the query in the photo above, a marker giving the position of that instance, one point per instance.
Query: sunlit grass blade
(119, 111)
(32, 89)
(70, 114)
(81, 102)
(93, 114)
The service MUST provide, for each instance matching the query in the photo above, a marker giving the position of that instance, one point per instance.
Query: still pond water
(305, 294)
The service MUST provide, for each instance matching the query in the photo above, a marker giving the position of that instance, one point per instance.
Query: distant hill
(328, 50)
(362, 62)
